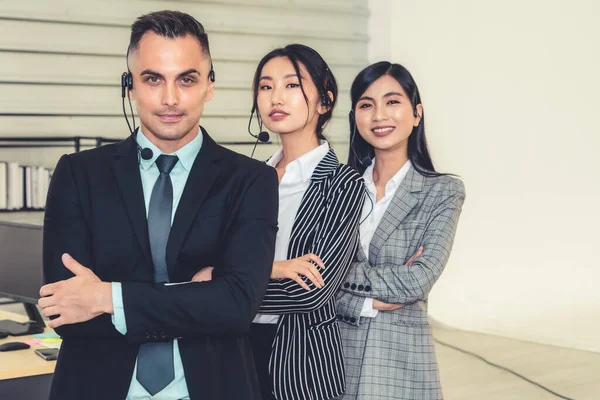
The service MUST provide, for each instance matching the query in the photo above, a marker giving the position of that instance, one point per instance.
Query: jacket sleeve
(226, 304)
(402, 284)
(349, 307)
(66, 230)
(335, 244)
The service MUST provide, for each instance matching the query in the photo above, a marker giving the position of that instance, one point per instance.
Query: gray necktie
(155, 368)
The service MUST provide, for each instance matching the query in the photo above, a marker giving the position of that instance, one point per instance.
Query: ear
(419, 116)
(210, 91)
(323, 109)
(131, 94)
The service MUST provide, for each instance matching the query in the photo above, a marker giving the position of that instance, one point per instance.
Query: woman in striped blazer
(295, 336)
(406, 235)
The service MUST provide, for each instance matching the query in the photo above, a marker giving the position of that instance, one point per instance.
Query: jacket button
(361, 287)
(353, 286)
(346, 285)
(346, 318)
(339, 317)
(353, 320)
(367, 288)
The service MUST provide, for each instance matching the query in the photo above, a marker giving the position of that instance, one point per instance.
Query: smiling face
(385, 116)
(281, 103)
(170, 87)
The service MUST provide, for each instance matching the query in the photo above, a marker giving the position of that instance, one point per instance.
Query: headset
(127, 85)
(263, 136)
(366, 160)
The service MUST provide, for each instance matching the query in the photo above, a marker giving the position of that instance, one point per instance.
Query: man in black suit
(126, 229)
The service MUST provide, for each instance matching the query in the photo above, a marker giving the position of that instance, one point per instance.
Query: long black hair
(319, 72)
(361, 152)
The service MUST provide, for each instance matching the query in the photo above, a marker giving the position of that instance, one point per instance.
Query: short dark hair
(318, 71)
(169, 24)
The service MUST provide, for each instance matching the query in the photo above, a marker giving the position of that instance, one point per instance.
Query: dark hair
(169, 24)
(360, 149)
(319, 72)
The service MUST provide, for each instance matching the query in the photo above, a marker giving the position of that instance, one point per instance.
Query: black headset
(263, 136)
(366, 160)
(126, 86)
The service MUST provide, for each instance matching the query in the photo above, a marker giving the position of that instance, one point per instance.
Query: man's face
(170, 87)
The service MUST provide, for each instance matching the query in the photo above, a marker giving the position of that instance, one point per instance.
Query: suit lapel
(307, 214)
(202, 176)
(401, 205)
(129, 181)
(360, 254)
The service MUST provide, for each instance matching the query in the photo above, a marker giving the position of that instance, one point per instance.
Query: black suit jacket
(227, 218)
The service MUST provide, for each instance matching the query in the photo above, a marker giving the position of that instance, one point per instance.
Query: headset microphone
(366, 160)
(145, 153)
(126, 86)
(262, 136)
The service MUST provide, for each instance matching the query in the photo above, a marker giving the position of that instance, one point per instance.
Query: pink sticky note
(33, 341)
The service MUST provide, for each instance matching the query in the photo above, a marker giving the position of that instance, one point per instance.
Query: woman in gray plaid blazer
(407, 231)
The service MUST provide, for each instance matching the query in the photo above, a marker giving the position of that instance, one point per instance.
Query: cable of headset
(502, 368)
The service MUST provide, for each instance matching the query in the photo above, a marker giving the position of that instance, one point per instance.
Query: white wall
(511, 91)
(61, 60)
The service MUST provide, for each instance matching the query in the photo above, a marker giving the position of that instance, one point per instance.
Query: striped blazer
(306, 359)
(392, 356)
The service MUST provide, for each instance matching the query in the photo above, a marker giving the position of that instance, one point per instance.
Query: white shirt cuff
(118, 317)
(367, 310)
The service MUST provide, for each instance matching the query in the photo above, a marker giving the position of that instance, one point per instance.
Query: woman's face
(384, 115)
(281, 104)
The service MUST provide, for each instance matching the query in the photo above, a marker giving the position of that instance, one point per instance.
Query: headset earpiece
(211, 75)
(325, 100)
(416, 113)
(126, 83)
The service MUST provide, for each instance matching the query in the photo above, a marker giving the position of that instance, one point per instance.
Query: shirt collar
(394, 181)
(308, 162)
(187, 154)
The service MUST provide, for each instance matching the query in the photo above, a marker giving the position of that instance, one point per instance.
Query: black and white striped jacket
(306, 359)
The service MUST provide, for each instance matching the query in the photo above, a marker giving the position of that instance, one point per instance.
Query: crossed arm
(413, 280)
(81, 303)
(333, 249)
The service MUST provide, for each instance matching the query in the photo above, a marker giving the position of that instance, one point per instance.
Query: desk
(23, 374)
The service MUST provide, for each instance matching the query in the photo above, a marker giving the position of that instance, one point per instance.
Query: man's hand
(204, 275)
(77, 299)
(295, 267)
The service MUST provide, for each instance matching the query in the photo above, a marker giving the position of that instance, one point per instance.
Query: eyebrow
(390, 94)
(285, 77)
(158, 74)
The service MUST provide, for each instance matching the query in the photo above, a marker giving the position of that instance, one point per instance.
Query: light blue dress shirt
(177, 389)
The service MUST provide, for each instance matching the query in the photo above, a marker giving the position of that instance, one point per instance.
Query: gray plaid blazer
(392, 356)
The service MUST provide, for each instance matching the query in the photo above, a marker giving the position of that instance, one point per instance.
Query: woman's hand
(292, 269)
(204, 275)
(380, 305)
(417, 254)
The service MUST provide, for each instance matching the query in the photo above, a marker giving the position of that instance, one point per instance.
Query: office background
(511, 97)
(61, 61)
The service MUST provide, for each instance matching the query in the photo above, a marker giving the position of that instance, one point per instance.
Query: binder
(15, 186)
(3, 185)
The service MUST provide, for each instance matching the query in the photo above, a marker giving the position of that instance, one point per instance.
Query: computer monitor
(21, 274)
